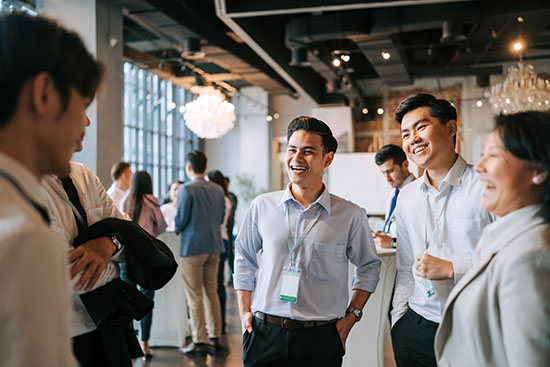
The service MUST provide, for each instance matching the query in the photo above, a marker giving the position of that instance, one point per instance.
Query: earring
(536, 180)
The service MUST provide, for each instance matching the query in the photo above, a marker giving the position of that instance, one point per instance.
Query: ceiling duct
(192, 49)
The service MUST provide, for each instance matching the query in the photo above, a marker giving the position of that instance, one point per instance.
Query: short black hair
(31, 45)
(313, 125)
(441, 109)
(118, 169)
(526, 135)
(390, 151)
(197, 160)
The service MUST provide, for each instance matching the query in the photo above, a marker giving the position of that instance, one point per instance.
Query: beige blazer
(499, 313)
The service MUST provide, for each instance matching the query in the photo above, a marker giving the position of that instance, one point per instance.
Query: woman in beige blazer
(499, 313)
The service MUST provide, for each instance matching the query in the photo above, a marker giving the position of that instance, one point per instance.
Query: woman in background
(144, 209)
(170, 209)
(218, 178)
(499, 312)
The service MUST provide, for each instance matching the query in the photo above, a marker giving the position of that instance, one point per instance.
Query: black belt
(289, 323)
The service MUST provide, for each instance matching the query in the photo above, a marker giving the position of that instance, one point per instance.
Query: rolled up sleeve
(361, 252)
(247, 245)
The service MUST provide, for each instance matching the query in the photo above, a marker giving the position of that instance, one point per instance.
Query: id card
(289, 286)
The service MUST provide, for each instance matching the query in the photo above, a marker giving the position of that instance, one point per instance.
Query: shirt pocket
(94, 215)
(326, 261)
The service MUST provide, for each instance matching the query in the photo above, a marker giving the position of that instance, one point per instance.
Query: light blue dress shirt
(341, 235)
(446, 224)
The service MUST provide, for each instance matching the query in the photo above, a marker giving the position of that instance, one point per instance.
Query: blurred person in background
(144, 209)
(170, 208)
(218, 178)
(121, 174)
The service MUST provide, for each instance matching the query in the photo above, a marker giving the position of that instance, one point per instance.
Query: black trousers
(271, 345)
(413, 341)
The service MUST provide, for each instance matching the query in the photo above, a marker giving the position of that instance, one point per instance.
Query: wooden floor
(229, 357)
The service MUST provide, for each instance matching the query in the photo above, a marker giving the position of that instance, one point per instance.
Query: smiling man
(439, 221)
(305, 237)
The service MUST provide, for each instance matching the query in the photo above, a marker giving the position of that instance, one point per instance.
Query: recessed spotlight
(276, 115)
(385, 55)
(520, 19)
(479, 103)
(345, 58)
(269, 118)
(380, 111)
(336, 62)
(507, 101)
(365, 111)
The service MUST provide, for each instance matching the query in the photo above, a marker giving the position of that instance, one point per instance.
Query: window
(156, 139)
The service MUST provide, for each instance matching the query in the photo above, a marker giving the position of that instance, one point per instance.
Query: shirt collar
(453, 177)
(323, 200)
(24, 177)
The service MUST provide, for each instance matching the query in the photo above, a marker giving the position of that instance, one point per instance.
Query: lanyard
(293, 250)
(65, 197)
(441, 213)
(41, 210)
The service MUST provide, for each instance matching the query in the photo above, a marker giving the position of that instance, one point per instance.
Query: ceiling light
(365, 111)
(518, 46)
(276, 115)
(269, 118)
(479, 103)
(192, 49)
(336, 62)
(209, 116)
(345, 58)
(385, 55)
(380, 111)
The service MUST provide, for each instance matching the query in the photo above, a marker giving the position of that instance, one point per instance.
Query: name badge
(289, 286)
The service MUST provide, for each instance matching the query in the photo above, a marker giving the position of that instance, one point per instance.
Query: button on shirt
(446, 224)
(341, 234)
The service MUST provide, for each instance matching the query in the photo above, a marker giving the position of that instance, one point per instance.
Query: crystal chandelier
(209, 116)
(522, 90)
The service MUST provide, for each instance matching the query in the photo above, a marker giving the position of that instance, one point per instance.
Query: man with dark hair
(201, 209)
(393, 164)
(439, 221)
(121, 174)
(47, 79)
(305, 238)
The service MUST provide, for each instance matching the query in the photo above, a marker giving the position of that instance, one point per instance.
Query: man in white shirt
(393, 164)
(439, 221)
(121, 174)
(47, 80)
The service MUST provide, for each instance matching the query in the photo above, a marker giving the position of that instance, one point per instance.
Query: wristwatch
(116, 241)
(358, 313)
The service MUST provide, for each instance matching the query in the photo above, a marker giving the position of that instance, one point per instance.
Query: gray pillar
(99, 23)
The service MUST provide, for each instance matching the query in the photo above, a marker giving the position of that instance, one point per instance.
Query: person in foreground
(305, 238)
(498, 314)
(47, 80)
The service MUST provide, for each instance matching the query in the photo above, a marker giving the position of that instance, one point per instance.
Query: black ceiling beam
(208, 26)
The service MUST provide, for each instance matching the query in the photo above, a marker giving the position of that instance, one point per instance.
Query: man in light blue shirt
(293, 252)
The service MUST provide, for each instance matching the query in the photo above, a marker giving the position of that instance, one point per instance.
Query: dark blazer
(201, 208)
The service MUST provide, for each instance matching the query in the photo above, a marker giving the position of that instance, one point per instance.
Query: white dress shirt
(446, 224)
(393, 230)
(35, 309)
(117, 195)
(169, 212)
(98, 206)
(341, 235)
